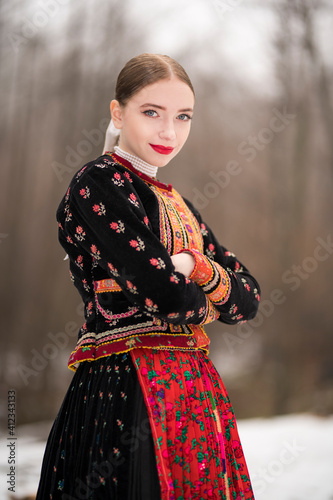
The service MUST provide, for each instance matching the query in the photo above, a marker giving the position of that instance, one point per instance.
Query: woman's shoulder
(92, 177)
(100, 167)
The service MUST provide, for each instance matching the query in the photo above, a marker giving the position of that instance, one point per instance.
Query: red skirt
(145, 425)
(197, 447)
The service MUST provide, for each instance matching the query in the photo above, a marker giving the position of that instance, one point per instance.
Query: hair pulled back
(144, 70)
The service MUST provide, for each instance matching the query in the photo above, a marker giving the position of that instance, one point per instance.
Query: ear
(116, 113)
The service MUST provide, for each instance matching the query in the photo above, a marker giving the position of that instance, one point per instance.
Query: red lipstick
(161, 149)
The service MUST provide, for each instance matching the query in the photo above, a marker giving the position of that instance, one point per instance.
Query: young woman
(146, 415)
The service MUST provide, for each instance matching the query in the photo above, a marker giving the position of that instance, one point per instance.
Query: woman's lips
(161, 149)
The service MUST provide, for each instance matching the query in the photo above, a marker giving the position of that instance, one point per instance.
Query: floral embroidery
(158, 263)
(233, 309)
(150, 306)
(127, 175)
(246, 285)
(80, 234)
(189, 314)
(210, 252)
(113, 270)
(174, 278)
(173, 315)
(89, 308)
(85, 192)
(189, 414)
(99, 209)
(117, 180)
(95, 253)
(68, 214)
(133, 199)
(138, 244)
(85, 285)
(203, 229)
(107, 161)
(229, 254)
(197, 439)
(79, 262)
(119, 226)
(131, 287)
(98, 241)
(130, 343)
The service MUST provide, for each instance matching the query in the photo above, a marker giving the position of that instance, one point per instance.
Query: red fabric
(181, 390)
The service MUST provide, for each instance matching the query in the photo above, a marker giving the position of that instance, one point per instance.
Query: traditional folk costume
(146, 415)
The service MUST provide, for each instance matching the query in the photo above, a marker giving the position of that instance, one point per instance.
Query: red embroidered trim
(127, 164)
(92, 350)
(203, 271)
(214, 280)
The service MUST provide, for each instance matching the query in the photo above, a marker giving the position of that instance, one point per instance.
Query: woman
(146, 415)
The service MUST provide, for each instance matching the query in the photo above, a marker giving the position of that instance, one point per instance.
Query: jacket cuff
(212, 277)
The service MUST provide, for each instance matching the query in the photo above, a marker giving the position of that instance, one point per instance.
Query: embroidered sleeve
(230, 287)
(104, 218)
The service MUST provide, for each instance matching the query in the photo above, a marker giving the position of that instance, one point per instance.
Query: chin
(161, 160)
(163, 163)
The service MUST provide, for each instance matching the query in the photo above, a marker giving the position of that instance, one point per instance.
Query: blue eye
(185, 117)
(150, 112)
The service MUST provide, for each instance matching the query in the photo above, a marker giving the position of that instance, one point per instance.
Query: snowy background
(289, 457)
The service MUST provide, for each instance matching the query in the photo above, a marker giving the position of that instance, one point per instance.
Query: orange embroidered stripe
(108, 285)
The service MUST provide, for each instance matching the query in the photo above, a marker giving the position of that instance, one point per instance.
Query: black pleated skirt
(100, 446)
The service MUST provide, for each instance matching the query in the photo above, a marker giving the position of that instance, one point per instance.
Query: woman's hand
(184, 263)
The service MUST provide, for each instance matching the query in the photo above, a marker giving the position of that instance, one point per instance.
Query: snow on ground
(289, 457)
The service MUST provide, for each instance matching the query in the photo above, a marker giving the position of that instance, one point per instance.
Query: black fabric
(100, 446)
(109, 224)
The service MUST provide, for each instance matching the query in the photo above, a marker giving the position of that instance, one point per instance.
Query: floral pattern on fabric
(181, 390)
(121, 227)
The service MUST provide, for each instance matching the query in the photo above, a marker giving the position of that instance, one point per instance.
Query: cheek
(183, 134)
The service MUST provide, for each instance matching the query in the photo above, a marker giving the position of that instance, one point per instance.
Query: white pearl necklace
(137, 163)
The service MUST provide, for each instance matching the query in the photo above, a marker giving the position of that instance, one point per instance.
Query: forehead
(171, 93)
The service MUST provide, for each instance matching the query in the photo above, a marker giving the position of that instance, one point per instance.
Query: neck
(137, 163)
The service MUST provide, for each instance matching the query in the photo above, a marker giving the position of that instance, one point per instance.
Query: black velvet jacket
(119, 228)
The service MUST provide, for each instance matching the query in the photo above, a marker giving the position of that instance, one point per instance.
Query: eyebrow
(148, 104)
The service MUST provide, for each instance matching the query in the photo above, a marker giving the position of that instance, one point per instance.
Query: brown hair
(144, 70)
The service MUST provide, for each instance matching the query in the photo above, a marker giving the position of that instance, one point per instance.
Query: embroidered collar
(137, 163)
(147, 178)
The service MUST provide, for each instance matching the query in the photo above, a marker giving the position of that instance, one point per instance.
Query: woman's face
(156, 121)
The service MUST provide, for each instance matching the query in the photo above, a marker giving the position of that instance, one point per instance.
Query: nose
(167, 131)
